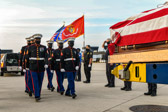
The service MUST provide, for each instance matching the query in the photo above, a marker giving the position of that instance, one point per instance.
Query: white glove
(20, 68)
(62, 70)
(77, 67)
(45, 66)
(89, 65)
(52, 71)
(24, 70)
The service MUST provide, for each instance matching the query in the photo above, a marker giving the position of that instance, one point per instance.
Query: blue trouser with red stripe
(60, 79)
(37, 80)
(26, 81)
(30, 86)
(71, 83)
(50, 77)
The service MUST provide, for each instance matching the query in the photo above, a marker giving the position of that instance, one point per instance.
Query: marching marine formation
(36, 58)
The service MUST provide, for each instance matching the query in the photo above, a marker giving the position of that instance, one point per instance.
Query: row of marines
(36, 58)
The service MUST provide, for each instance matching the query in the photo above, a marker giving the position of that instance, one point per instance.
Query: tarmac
(93, 97)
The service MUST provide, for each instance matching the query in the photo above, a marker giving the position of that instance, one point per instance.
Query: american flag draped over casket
(146, 27)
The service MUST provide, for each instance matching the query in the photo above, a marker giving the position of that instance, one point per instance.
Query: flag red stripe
(145, 37)
(120, 24)
(154, 15)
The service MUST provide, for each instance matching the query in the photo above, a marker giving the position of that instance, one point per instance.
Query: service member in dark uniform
(152, 89)
(50, 71)
(70, 64)
(56, 65)
(21, 64)
(78, 72)
(26, 67)
(109, 67)
(36, 55)
(88, 55)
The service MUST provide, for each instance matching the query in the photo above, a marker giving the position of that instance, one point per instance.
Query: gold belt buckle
(38, 58)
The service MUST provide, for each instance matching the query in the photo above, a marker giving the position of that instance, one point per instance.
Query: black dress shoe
(148, 93)
(123, 88)
(74, 96)
(52, 89)
(111, 86)
(30, 94)
(78, 80)
(26, 91)
(69, 95)
(85, 82)
(128, 89)
(153, 94)
(62, 92)
(106, 85)
(37, 99)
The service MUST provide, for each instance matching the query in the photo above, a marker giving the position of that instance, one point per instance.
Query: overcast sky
(22, 18)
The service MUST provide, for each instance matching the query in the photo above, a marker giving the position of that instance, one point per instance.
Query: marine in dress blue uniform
(26, 68)
(49, 69)
(36, 55)
(70, 64)
(22, 62)
(56, 65)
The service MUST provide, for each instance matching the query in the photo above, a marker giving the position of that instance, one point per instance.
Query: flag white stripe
(145, 26)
